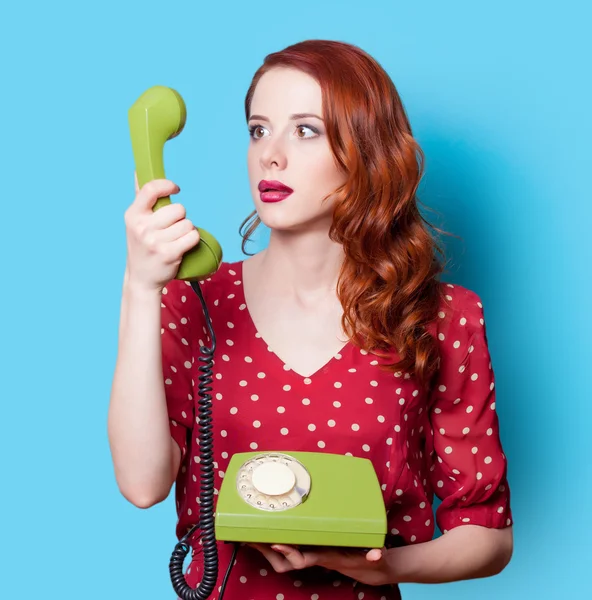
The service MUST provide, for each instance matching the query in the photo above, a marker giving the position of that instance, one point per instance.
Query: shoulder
(461, 309)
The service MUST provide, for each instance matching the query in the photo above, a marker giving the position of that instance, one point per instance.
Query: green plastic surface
(157, 116)
(344, 508)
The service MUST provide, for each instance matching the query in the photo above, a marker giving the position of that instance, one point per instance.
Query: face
(289, 148)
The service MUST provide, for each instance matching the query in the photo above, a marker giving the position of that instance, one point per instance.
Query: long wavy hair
(389, 281)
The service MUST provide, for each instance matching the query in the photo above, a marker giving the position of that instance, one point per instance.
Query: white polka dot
(401, 401)
(369, 401)
(337, 384)
(474, 449)
(253, 445)
(230, 325)
(374, 383)
(466, 520)
(442, 431)
(337, 404)
(279, 597)
(248, 359)
(263, 572)
(243, 579)
(441, 314)
(224, 454)
(284, 431)
(233, 410)
(407, 518)
(397, 428)
(355, 427)
(413, 538)
(489, 431)
(389, 441)
(440, 484)
(448, 450)
(469, 409)
(399, 492)
(441, 337)
(479, 475)
(307, 380)
(474, 376)
(242, 383)
(463, 321)
(312, 427)
(331, 423)
(428, 522)
(254, 397)
(492, 406)
(487, 460)
(256, 424)
(456, 344)
(281, 410)
(224, 433)
(466, 430)
(305, 401)
(461, 369)
(366, 448)
(225, 357)
(261, 375)
(442, 388)
(321, 444)
(380, 419)
(422, 505)
(287, 388)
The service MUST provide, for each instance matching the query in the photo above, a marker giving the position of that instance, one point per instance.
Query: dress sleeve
(467, 464)
(180, 314)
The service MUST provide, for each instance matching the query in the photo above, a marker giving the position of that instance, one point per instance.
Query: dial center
(273, 478)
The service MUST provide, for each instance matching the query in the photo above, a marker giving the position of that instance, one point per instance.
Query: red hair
(388, 284)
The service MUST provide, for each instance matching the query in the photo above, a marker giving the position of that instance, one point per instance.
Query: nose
(273, 154)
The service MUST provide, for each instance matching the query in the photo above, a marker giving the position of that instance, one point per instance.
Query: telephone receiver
(281, 496)
(157, 116)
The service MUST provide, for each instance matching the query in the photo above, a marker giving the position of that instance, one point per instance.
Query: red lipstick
(273, 191)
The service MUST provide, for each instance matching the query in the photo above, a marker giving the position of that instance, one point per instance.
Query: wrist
(136, 290)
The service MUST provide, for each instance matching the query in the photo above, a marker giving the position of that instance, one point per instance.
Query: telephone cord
(206, 497)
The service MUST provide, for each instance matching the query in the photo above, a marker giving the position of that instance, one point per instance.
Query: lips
(273, 191)
(273, 186)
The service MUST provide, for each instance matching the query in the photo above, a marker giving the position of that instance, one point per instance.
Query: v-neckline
(261, 340)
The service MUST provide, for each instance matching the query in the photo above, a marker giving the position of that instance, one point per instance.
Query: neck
(302, 264)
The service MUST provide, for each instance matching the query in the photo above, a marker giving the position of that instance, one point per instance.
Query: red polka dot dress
(447, 444)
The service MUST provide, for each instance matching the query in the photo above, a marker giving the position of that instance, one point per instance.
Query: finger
(278, 562)
(175, 231)
(151, 192)
(374, 555)
(297, 559)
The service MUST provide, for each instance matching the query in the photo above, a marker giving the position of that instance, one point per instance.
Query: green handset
(157, 116)
(303, 498)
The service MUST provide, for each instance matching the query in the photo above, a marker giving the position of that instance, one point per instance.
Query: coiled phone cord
(206, 495)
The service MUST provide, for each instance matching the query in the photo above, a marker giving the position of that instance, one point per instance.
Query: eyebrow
(293, 117)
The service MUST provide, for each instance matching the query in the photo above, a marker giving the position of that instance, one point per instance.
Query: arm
(466, 552)
(145, 457)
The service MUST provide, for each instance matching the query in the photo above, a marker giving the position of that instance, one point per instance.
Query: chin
(284, 216)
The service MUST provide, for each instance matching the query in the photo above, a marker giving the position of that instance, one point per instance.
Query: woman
(338, 337)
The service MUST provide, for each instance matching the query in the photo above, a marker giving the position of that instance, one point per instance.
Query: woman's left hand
(368, 567)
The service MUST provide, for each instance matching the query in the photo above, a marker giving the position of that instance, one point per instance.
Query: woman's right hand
(156, 240)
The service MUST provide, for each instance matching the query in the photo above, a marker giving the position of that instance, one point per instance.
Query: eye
(253, 131)
(314, 130)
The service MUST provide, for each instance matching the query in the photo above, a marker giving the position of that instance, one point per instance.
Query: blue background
(499, 101)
